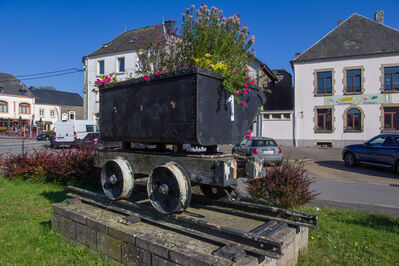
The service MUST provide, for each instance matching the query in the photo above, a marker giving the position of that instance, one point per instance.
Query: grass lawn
(346, 237)
(26, 237)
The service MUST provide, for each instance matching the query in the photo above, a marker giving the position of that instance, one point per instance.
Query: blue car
(382, 151)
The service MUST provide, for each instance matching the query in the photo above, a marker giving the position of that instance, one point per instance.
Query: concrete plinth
(145, 244)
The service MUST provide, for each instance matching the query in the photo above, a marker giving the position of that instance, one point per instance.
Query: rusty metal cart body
(186, 107)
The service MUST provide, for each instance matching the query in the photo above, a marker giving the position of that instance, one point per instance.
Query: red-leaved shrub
(61, 166)
(285, 186)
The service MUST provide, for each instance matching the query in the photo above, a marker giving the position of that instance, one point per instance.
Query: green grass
(26, 237)
(342, 237)
(346, 237)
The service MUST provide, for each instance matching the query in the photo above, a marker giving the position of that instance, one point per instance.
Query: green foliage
(208, 40)
(284, 186)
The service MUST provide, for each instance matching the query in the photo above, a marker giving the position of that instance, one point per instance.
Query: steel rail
(256, 211)
(251, 242)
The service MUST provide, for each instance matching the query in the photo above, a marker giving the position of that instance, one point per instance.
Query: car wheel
(350, 159)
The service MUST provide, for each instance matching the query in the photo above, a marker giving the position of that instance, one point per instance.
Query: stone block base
(144, 244)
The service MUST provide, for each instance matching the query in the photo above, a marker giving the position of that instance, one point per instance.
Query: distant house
(347, 84)
(16, 104)
(53, 105)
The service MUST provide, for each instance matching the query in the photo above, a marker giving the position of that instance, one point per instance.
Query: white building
(16, 104)
(347, 84)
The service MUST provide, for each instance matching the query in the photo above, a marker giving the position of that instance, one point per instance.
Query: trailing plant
(285, 186)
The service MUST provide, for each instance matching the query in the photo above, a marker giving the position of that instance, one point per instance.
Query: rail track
(234, 242)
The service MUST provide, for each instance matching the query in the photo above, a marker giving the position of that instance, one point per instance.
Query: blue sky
(50, 35)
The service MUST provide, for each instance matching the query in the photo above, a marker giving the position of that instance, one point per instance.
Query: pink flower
(245, 91)
(234, 72)
(238, 92)
(252, 82)
(243, 103)
(163, 70)
(146, 77)
(249, 89)
(237, 69)
(157, 74)
(248, 70)
(245, 85)
(248, 78)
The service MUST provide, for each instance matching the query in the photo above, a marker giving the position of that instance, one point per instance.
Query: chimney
(169, 25)
(379, 17)
(297, 54)
(339, 21)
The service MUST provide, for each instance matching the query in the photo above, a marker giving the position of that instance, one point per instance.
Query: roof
(356, 36)
(11, 85)
(280, 72)
(45, 96)
(133, 39)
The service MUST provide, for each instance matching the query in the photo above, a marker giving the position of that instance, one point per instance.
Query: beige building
(16, 104)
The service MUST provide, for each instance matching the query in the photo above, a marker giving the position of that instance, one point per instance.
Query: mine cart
(185, 107)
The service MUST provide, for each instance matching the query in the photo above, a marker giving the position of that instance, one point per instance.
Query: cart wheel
(117, 179)
(169, 188)
(214, 193)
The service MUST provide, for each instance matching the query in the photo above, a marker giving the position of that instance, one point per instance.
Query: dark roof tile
(356, 36)
(11, 85)
(44, 96)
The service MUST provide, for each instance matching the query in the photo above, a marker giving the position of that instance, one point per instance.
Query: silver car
(266, 148)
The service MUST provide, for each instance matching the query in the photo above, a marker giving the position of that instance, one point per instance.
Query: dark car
(42, 136)
(94, 139)
(265, 148)
(382, 151)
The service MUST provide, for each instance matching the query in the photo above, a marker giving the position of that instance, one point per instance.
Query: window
(276, 116)
(324, 119)
(353, 120)
(71, 115)
(90, 128)
(353, 80)
(3, 107)
(266, 116)
(391, 118)
(324, 82)
(23, 92)
(287, 116)
(24, 108)
(121, 64)
(100, 66)
(391, 78)
(52, 113)
(41, 112)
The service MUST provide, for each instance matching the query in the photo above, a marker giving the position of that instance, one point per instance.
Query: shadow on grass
(59, 196)
(46, 225)
(375, 221)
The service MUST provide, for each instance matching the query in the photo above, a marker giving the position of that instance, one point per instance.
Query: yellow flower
(356, 243)
(196, 60)
(312, 237)
(329, 240)
(208, 55)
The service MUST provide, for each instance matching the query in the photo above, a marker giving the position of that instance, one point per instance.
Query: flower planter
(188, 106)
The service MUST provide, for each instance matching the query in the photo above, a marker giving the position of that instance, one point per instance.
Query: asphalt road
(14, 146)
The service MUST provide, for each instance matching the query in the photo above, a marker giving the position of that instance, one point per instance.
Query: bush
(49, 132)
(62, 167)
(285, 186)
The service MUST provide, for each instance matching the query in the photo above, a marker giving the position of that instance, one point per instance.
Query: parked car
(42, 136)
(382, 151)
(94, 139)
(266, 148)
(71, 132)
